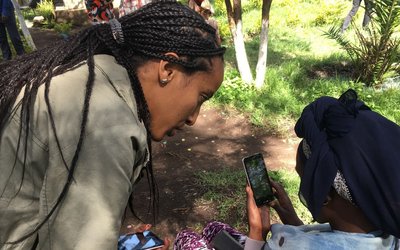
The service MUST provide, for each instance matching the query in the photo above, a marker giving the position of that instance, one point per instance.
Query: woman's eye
(203, 98)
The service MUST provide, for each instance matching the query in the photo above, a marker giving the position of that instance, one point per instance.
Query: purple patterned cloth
(189, 240)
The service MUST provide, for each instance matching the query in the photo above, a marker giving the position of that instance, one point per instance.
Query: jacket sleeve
(90, 215)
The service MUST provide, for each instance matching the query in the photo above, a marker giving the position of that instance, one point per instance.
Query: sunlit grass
(226, 188)
(295, 52)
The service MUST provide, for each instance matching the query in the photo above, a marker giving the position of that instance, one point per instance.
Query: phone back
(224, 241)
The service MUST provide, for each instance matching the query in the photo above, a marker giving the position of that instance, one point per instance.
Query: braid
(158, 27)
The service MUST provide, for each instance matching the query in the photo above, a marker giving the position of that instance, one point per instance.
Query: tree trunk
(263, 50)
(24, 28)
(235, 25)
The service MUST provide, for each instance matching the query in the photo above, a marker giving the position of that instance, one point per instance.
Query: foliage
(28, 14)
(328, 12)
(223, 28)
(303, 64)
(252, 26)
(375, 50)
(220, 8)
(46, 9)
(63, 28)
(302, 13)
(250, 5)
(226, 188)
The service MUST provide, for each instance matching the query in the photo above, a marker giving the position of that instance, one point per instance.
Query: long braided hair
(159, 27)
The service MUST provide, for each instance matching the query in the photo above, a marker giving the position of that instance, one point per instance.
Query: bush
(328, 13)
(375, 51)
(46, 9)
(252, 26)
(63, 28)
(28, 14)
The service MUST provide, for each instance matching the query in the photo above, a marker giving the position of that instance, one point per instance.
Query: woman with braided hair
(77, 121)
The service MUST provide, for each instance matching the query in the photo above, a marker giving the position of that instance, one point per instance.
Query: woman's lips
(172, 132)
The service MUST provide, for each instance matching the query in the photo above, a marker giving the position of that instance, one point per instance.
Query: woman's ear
(166, 69)
(328, 199)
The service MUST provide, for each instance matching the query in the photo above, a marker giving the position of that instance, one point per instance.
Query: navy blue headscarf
(345, 135)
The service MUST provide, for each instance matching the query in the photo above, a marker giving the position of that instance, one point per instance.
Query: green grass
(297, 50)
(226, 188)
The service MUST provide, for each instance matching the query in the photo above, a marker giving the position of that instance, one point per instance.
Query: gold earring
(164, 81)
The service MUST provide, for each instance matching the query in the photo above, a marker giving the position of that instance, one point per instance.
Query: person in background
(353, 11)
(8, 25)
(205, 9)
(77, 121)
(128, 6)
(99, 11)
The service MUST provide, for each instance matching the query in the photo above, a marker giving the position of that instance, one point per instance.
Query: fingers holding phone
(166, 244)
(258, 217)
(283, 205)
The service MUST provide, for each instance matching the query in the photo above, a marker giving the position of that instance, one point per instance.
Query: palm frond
(376, 50)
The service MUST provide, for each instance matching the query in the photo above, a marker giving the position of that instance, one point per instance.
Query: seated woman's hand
(283, 206)
(166, 244)
(258, 217)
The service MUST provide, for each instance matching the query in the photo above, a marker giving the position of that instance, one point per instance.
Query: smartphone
(223, 241)
(257, 176)
(139, 241)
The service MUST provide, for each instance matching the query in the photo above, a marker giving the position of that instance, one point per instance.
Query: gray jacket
(113, 153)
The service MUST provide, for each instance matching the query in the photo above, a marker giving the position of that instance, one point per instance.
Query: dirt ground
(218, 139)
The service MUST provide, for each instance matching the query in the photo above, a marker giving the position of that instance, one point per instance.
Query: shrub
(328, 13)
(375, 50)
(46, 9)
(63, 28)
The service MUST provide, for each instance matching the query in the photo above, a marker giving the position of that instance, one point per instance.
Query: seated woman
(348, 162)
(348, 165)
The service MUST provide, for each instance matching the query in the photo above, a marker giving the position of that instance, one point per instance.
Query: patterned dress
(128, 6)
(189, 240)
(99, 11)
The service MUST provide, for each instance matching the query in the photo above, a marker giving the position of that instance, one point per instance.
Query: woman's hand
(283, 206)
(132, 229)
(258, 217)
(166, 245)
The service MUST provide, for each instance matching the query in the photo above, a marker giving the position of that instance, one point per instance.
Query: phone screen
(258, 178)
(139, 241)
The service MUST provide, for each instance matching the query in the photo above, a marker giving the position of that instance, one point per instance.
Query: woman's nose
(191, 120)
